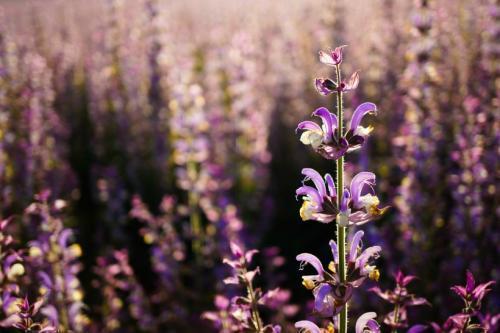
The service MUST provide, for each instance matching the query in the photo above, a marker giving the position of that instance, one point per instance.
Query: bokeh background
(168, 128)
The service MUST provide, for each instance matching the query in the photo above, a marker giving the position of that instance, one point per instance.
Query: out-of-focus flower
(470, 318)
(324, 139)
(25, 318)
(242, 312)
(401, 299)
(471, 294)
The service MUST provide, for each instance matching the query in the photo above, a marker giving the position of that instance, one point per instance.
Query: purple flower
(332, 57)
(324, 139)
(367, 323)
(471, 294)
(330, 295)
(356, 207)
(327, 86)
(401, 299)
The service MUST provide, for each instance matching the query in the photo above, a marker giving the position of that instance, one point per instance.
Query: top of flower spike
(332, 57)
(472, 292)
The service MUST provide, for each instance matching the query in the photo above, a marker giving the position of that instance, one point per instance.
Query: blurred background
(168, 129)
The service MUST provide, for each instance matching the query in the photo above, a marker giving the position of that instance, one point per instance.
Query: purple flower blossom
(329, 293)
(401, 299)
(332, 57)
(357, 207)
(242, 312)
(324, 139)
(471, 294)
(327, 86)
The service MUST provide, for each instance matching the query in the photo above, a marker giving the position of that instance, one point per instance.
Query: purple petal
(329, 122)
(310, 192)
(359, 113)
(363, 320)
(344, 202)
(408, 279)
(481, 290)
(316, 179)
(236, 250)
(311, 260)
(64, 237)
(331, 185)
(417, 301)
(51, 313)
(459, 290)
(322, 292)
(308, 125)
(353, 82)
(359, 218)
(353, 251)
(249, 255)
(335, 251)
(308, 326)
(382, 294)
(358, 183)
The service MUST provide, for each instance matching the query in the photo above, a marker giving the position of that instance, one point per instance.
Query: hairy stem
(340, 188)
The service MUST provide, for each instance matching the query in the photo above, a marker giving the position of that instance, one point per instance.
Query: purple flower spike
(470, 293)
(332, 57)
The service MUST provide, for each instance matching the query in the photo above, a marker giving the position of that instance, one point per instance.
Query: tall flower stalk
(326, 203)
(340, 181)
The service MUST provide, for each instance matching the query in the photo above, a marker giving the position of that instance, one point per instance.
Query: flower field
(311, 166)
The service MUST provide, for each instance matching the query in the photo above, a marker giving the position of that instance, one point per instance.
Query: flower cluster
(241, 313)
(356, 207)
(402, 300)
(25, 315)
(55, 260)
(472, 296)
(11, 268)
(325, 140)
(330, 201)
(330, 293)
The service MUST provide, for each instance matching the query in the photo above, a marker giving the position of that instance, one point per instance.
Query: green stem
(340, 188)
(194, 217)
(396, 317)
